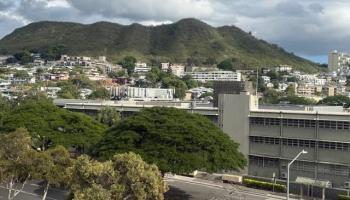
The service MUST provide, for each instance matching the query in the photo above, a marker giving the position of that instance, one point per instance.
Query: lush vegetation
(263, 185)
(174, 140)
(188, 40)
(343, 197)
(156, 78)
(338, 100)
(125, 176)
(272, 96)
(71, 89)
(53, 125)
(109, 116)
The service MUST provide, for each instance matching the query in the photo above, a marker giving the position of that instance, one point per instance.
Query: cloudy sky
(309, 28)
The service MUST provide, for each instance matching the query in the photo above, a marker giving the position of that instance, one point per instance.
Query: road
(33, 190)
(181, 188)
(190, 189)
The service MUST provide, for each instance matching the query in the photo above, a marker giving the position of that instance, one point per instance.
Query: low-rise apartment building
(215, 76)
(142, 68)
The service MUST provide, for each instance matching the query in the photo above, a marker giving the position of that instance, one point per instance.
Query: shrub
(343, 197)
(263, 185)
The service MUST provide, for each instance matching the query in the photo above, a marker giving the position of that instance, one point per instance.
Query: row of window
(263, 162)
(300, 123)
(301, 143)
(338, 170)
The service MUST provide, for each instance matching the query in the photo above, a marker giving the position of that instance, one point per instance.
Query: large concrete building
(270, 138)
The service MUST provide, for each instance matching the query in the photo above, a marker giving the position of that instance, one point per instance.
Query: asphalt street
(181, 188)
(33, 190)
(193, 190)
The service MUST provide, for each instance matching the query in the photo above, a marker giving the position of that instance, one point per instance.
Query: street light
(289, 164)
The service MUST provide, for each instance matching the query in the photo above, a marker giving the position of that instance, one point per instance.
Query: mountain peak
(186, 39)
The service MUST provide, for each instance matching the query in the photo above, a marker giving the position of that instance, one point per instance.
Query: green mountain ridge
(177, 42)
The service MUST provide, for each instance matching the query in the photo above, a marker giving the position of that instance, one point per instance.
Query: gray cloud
(5, 4)
(308, 27)
(146, 9)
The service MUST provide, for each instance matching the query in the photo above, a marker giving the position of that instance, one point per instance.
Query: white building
(143, 93)
(102, 59)
(337, 60)
(51, 92)
(284, 68)
(165, 66)
(4, 85)
(142, 68)
(177, 70)
(215, 76)
(266, 79)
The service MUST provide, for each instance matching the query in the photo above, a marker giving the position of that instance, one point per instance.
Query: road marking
(25, 192)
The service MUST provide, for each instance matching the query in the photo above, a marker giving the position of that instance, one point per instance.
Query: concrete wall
(300, 133)
(335, 135)
(260, 130)
(290, 152)
(264, 149)
(334, 156)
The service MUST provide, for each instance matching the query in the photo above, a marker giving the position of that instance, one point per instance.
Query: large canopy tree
(176, 141)
(53, 125)
(126, 176)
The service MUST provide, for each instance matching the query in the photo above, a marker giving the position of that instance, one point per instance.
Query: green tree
(298, 100)
(51, 166)
(100, 93)
(225, 65)
(54, 52)
(41, 117)
(68, 91)
(24, 57)
(174, 140)
(16, 163)
(5, 107)
(109, 116)
(177, 84)
(116, 74)
(290, 90)
(128, 63)
(125, 176)
(338, 100)
(189, 81)
(271, 96)
(210, 61)
(21, 74)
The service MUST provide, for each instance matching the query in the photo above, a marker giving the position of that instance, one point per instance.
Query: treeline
(124, 176)
(274, 97)
(103, 167)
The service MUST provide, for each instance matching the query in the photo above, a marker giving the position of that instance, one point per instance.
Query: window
(265, 121)
(334, 146)
(263, 162)
(264, 140)
(301, 123)
(299, 143)
(340, 125)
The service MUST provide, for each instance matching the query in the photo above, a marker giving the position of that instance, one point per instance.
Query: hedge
(264, 185)
(343, 197)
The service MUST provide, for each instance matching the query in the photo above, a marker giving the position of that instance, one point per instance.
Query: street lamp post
(289, 164)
